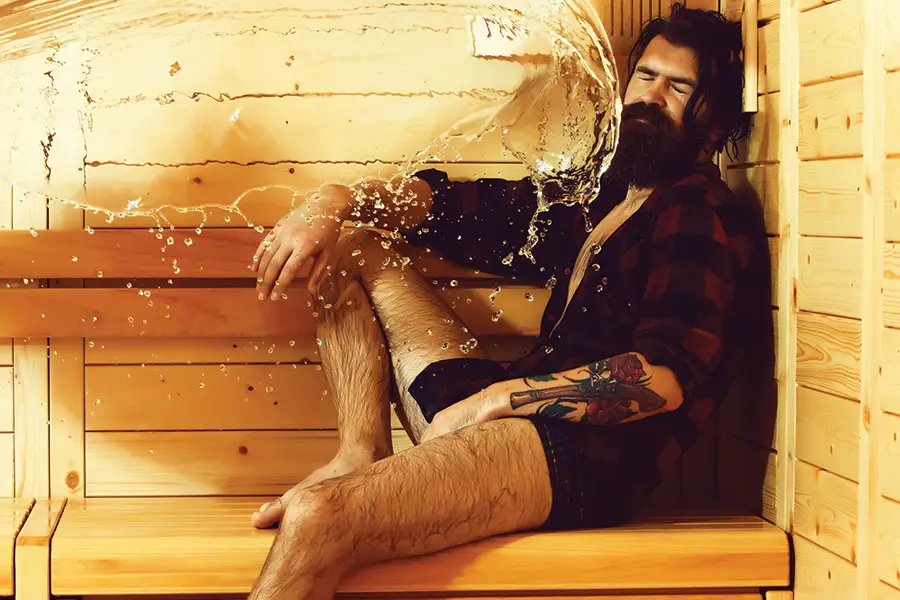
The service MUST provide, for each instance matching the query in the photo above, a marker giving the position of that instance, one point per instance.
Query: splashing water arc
(168, 112)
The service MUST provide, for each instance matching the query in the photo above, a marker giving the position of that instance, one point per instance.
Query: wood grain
(826, 510)
(769, 57)
(195, 546)
(892, 200)
(821, 574)
(7, 466)
(828, 51)
(890, 399)
(830, 198)
(831, 119)
(828, 354)
(67, 424)
(828, 432)
(830, 276)
(742, 466)
(6, 400)
(891, 37)
(768, 9)
(33, 549)
(891, 113)
(888, 544)
(763, 142)
(889, 456)
(177, 194)
(891, 284)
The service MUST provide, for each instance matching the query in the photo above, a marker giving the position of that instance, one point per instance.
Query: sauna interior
(149, 403)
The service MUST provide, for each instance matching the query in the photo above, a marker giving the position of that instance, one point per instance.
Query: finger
(269, 514)
(288, 273)
(265, 259)
(263, 244)
(273, 269)
(323, 262)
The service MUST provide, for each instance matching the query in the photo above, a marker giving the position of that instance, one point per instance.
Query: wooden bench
(207, 546)
(12, 516)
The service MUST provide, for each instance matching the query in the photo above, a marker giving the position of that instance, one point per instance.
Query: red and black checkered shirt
(685, 282)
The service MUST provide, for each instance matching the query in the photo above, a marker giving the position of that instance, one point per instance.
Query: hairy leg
(366, 280)
(477, 482)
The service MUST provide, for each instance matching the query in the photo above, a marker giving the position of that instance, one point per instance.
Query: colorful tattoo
(610, 392)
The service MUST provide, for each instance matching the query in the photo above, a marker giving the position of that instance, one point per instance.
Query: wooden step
(208, 546)
(12, 516)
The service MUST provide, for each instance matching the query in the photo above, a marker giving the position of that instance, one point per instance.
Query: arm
(616, 390)
(393, 205)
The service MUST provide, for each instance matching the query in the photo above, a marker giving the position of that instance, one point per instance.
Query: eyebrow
(653, 72)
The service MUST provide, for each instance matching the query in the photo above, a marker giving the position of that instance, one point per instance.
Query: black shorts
(588, 490)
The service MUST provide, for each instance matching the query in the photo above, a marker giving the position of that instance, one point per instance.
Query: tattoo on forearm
(609, 392)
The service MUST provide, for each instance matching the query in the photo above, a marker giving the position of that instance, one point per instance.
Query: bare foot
(271, 513)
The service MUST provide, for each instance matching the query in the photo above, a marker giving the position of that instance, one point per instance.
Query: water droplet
(444, 346)
(496, 316)
(202, 385)
(453, 283)
(150, 451)
(32, 232)
(595, 249)
(318, 341)
(429, 332)
(100, 274)
(128, 285)
(356, 252)
(604, 281)
(97, 402)
(292, 343)
(599, 288)
(529, 297)
(507, 260)
(131, 320)
(188, 242)
(170, 240)
(548, 349)
(269, 389)
(74, 259)
(90, 344)
(595, 266)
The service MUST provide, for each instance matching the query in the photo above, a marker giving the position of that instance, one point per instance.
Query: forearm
(616, 390)
(395, 205)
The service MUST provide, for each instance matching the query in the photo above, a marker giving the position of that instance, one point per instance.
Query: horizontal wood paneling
(830, 197)
(6, 399)
(7, 467)
(827, 432)
(891, 39)
(202, 463)
(888, 554)
(737, 460)
(890, 371)
(831, 119)
(762, 144)
(5, 352)
(892, 113)
(182, 397)
(883, 591)
(769, 57)
(828, 353)
(891, 285)
(826, 509)
(170, 191)
(827, 51)
(301, 129)
(758, 185)
(889, 459)
(830, 273)
(892, 199)
(226, 312)
(768, 9)
(821, 575)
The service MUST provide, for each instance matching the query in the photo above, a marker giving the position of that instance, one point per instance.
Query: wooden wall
(104, 406)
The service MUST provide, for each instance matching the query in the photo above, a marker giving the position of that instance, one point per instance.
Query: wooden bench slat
(33, 548)
(226, 312)
(207, 546)
(12, 517)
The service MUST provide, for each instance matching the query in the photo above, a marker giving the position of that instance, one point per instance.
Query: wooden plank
(891, 38)
(177, 254)
(758, 184)
(769, 59)
(891, 113)
(309, 129)
(221, 397)
(768, 9)
(826, 510)
(262, 193)
(890, 399)
(225, 555)
(67, 424)
(698, 472)
(828, 355)
(33, 549)
(830, 198)
(14, 512)
(7, 465)
(804, 5)
(827, 51)
(6, 399)
(749, 27)
(884, 591)
(828, 432)
(821, 574)
(752, 414)
(202, 463)
(892, 199)
(831, 119)
(32, 432)
(830, 276)
(891, 284)
(887, 555)
(227, 312)
(763, 141)
(889, 456)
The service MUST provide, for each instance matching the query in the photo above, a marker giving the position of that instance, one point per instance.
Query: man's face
(653, 148)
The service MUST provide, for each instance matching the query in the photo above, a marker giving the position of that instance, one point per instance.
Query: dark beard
(650, 153)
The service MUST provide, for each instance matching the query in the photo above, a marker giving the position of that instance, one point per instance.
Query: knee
(311, 511)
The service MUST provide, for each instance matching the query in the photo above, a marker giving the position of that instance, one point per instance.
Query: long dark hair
(718, 44)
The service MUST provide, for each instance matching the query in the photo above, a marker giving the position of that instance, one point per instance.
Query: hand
(480, 407)
(309, 232)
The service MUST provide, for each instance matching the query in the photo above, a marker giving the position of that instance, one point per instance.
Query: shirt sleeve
(690, 289)
(482, 224)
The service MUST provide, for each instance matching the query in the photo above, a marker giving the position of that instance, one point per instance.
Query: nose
(654, 94)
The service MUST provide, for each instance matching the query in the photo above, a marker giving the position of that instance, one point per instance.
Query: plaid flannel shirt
(684, 282)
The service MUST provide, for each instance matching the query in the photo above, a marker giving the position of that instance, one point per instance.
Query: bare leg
(477, 482)
(420, 329)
